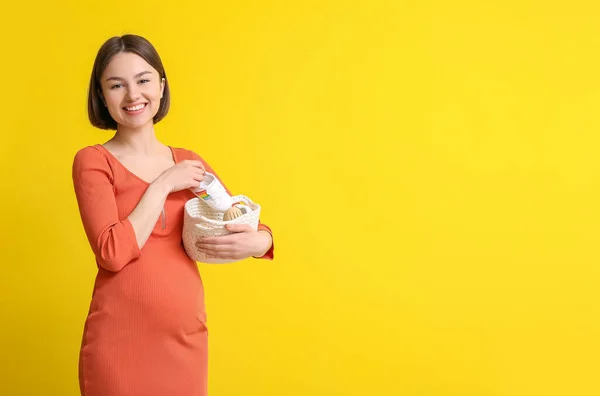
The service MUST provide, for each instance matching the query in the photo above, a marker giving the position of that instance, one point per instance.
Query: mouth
(135, 108)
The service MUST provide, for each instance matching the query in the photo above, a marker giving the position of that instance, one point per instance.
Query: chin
(136, 123)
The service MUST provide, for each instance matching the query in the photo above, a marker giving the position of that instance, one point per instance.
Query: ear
(162, 87)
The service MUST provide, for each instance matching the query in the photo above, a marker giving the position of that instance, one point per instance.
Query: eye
(116, 86)
(144, 81)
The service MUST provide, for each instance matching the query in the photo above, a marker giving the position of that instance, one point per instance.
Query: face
(131, 90)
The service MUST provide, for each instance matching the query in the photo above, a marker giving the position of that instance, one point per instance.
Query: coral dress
(145, 334)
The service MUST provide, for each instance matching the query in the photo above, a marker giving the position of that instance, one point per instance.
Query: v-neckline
(126, 169)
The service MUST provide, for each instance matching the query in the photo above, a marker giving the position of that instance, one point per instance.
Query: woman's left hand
(243, 243)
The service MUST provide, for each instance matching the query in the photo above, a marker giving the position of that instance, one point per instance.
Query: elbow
(114, 253)
(111, 263)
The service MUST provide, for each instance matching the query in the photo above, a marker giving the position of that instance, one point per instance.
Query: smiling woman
(146, 332)
(112, 96)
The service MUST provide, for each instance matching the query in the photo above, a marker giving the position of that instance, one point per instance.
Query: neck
(139, 140)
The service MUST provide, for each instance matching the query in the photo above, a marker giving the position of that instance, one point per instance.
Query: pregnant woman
(145, 333)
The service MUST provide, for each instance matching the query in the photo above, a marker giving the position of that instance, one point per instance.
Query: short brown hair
(97, 112)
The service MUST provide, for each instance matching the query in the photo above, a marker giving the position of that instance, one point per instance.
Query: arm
(269, 253)
(115, 242)
(262, 228)
(146, 213)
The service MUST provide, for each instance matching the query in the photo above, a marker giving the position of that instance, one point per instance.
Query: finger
(222, 256)
(219, 240)
(231, 253)
(195, 183)
(211, 254)
(193, 163)
(239, 227)
(211, 249)
(217, 252)
(198, 164)
(199, 175)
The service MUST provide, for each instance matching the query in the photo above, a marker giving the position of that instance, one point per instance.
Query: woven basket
(200, 220)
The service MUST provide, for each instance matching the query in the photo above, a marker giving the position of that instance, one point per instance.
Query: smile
(136, 107)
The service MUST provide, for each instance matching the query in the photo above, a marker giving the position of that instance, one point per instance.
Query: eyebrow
(136, 76)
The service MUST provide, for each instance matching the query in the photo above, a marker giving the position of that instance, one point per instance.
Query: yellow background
(429, 169)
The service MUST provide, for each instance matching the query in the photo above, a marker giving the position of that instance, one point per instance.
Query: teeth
(134, 108)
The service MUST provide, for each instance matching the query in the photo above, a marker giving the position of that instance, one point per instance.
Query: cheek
(155, 93)
(154, 96)
(113, 99)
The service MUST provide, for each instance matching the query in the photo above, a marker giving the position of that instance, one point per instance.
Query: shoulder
(185, 154)
(88, 152)
(89, 156)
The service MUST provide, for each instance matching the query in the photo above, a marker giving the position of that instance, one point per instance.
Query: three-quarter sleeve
(270, 254)
(113, 240)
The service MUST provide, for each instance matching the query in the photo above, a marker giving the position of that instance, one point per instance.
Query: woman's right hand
(183, 175)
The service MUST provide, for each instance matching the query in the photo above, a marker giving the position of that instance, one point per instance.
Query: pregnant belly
(151, 293)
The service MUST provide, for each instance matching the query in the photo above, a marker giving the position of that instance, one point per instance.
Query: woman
(145, 333)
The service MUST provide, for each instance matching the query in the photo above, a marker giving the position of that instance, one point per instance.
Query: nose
(132, 94)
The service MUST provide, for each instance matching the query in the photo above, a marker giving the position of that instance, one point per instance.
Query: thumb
(238, 227)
